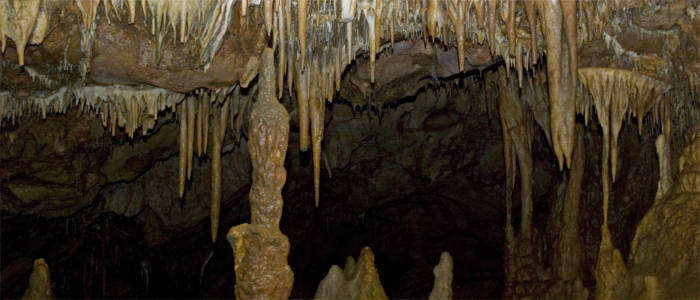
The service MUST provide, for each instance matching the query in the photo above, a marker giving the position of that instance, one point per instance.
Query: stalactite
(517, 124)
(218, 135)
(510, 27)
(479, 8)
(552, 21)
(532, 22)
(302, 89)
(301, 30)
(615, 91)
(456, 12)
(268, 7)
(432, 15)
(182, 154)
(316, 110)
(199, 139)
(568, 11)
(282, 59)
(492, 25)
(132, 10)
(191, 109)
(376, 35)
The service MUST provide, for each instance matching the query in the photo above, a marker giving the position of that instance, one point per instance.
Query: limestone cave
(350, 149)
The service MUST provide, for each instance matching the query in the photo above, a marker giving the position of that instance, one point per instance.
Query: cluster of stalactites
(618, 94)
(202, 114)
(117, 106)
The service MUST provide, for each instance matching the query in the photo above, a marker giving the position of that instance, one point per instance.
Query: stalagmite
(260, 249)
(664, 156)
(358, 281)
(39, 282)
(443, 272)
(301, 30)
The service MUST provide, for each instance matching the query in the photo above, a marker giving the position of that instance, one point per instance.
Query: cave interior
(350, 149)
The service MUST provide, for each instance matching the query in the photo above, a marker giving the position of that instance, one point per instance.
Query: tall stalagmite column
(260, 249)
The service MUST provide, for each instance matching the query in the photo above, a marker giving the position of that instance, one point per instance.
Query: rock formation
(39, 282)
(358, 281)
(442, 288)
(260, 249)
